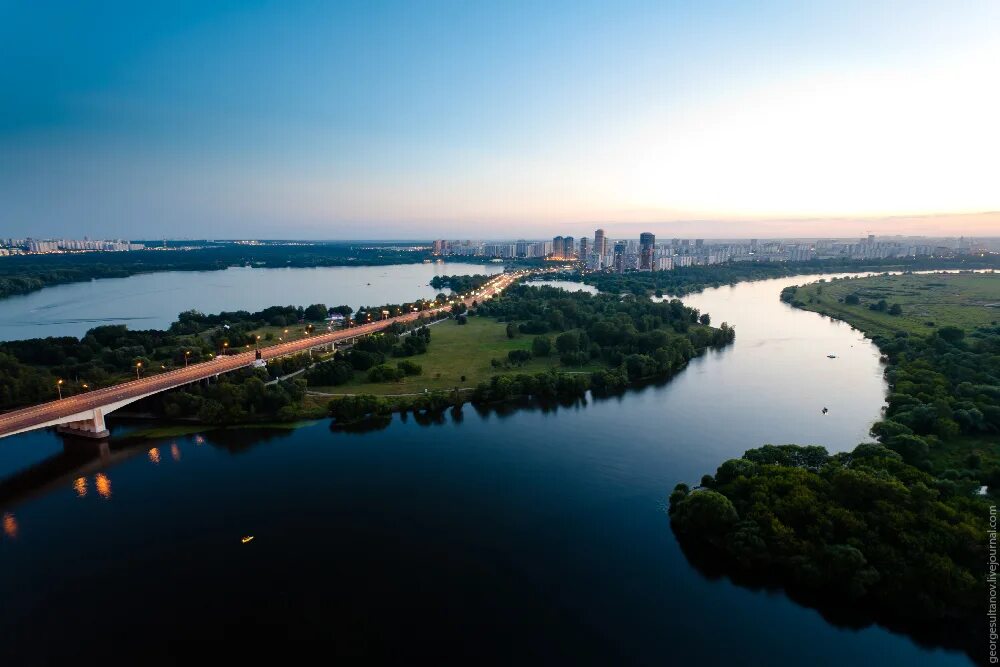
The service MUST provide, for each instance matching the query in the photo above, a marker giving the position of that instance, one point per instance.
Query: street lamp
(225, 344)
(256, 344)
(59, 388)
(138, 365)
(187, 353)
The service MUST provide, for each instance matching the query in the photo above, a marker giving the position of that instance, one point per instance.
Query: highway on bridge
(102, 401)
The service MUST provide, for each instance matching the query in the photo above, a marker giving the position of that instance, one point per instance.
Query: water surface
(532, 535)
(153, 300)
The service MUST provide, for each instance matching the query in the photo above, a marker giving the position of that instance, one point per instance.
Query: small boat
(825, 410)
(246, 538)
(831, 356)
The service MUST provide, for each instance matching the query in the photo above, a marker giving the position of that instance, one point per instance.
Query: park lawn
(458, 350)
(929, 301)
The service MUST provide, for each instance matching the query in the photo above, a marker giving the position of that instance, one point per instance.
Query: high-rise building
(558, 247)
(619, 260)
(438, 247)
(600, 244)
(584, 249)
(647, 248)
(569, 247)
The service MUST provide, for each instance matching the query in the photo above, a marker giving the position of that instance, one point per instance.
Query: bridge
(83, 414)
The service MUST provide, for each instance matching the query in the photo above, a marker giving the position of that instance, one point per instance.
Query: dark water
(152, 301)
(530, 536)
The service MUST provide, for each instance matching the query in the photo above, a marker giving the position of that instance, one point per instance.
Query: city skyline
(392, 121)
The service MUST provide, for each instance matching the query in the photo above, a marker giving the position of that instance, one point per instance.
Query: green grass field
(929, 301)
(456, 351)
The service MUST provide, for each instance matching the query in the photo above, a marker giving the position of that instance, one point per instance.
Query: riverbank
(892, 532)
(939, 333)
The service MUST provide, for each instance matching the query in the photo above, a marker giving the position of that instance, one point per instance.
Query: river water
(528, 535)
(153, 300)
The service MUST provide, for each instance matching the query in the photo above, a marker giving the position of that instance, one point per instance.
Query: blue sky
(420, 119)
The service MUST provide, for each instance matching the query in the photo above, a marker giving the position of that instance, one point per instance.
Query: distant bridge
(83, 414)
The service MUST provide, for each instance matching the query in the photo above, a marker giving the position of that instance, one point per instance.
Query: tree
(315, 312)
(706, 513)
(541, 346)
(518, 356)
(409, 368)
(951, 334)
(852, 299)
(511, 330)
(567, 342)
(705, 319)
(895, 309)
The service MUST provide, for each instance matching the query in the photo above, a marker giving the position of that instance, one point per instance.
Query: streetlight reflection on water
(103, 485)
(10, 525)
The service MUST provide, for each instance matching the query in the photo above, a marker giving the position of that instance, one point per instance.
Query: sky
(369, 120)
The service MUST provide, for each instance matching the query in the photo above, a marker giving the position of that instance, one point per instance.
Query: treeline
(633, 338)
(861, 530)
(30, 369)
(235, 398)
(688, 279)
(371, 354)
(942, 387)
(459, 284)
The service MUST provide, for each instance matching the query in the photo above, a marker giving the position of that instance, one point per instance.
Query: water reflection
(10, 527)
(241, 440)
(80, 486)
(103, 485)
(175, 451)
(154, 455)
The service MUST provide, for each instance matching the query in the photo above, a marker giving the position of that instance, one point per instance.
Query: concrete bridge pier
(92, 428)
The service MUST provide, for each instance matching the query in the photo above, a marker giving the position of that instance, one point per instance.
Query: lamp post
(256, 344)
(225, 344)
(138, 365)
(59, 388)
(187, 353)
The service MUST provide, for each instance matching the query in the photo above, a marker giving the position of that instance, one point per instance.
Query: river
(153, 300)
(525, 535)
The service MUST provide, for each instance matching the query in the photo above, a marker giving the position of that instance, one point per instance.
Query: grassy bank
(927, 301)
(459, 356)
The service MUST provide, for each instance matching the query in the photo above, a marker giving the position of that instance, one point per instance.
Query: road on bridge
(45, 413)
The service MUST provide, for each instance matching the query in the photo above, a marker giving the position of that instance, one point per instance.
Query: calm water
(531, 536)
(152, 301)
